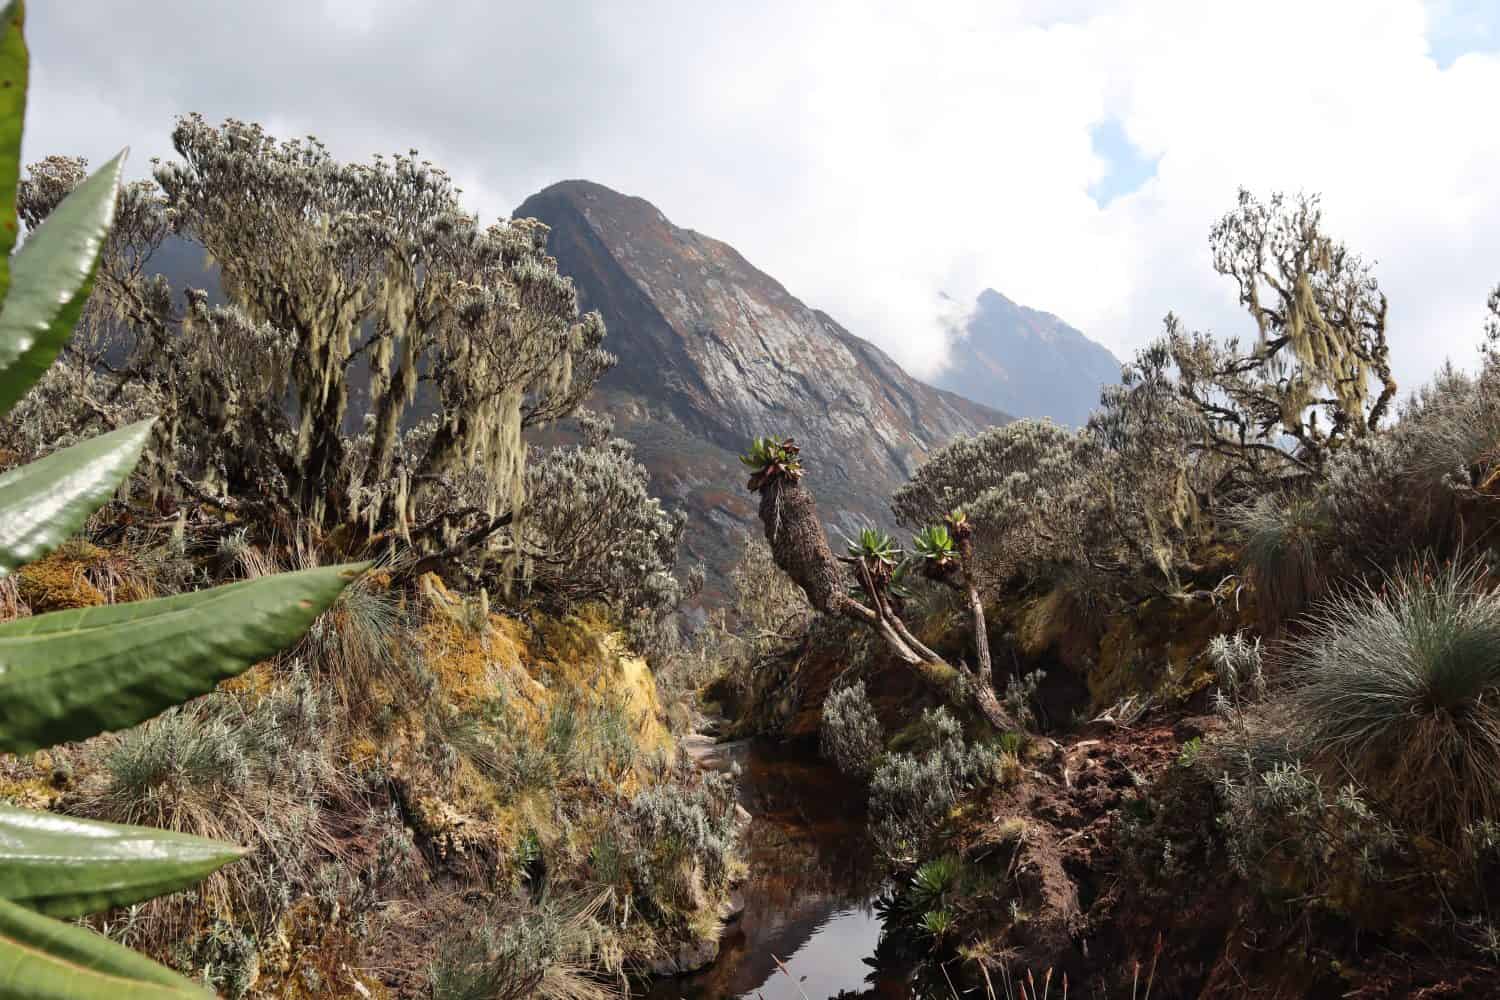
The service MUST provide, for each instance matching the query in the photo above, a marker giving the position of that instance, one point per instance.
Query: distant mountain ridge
(1027, 362)
(714, 351)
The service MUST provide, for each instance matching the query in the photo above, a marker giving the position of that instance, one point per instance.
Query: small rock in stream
(690, 956)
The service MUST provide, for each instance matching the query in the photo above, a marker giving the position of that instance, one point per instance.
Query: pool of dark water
(808, 897)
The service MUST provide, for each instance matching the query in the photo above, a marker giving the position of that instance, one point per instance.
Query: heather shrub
(1451, 429)
(1374, 515)
(850, 735)
(1021, 486)
(1399, 687)
(912, 793)
(594, 532)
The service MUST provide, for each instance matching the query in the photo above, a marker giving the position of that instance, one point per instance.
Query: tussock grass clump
(359, 643)
(549, 950)
(1282, 539)
(261, 775)
(1399, 687)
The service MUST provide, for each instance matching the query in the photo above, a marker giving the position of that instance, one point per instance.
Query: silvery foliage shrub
(912, 793)
(593, 530)
(1239, 669)
(676, 830)
(1288, 837)
(1022, 486)
(850, 735)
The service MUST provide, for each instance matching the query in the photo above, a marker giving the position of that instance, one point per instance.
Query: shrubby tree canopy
(1014, 482)
(1195, 422)
(1281, 407)
(593, 531)
(355, 290)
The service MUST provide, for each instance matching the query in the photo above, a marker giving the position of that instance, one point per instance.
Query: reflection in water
(813, 877)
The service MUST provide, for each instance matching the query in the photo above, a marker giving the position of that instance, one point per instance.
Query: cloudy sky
(872, 155)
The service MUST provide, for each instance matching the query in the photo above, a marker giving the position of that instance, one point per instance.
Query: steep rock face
(1027, 362)
(713, 352)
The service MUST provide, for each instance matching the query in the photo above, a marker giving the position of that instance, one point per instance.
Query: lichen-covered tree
(380, 352)
(1319, 373)
(789, 515)
(1149, 482)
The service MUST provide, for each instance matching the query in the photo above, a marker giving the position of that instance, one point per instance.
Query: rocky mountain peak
(714, 351)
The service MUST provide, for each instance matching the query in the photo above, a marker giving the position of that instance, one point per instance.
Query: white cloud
(871, 155)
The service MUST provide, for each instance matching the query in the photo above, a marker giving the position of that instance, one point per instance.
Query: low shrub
(850, 735)
(912, 793)
(1291, 839)
(1238, 663)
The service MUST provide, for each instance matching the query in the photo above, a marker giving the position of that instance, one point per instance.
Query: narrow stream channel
(813, 877)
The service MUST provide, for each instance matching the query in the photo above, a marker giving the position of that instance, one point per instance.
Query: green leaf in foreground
(13, 79)
(72, 674)
(41, 504)
(45, 959)
(67, 867)
(50, 280)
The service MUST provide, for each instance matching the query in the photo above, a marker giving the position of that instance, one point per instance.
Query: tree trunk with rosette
(794, 532)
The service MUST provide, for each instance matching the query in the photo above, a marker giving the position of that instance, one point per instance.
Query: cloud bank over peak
(874, 155)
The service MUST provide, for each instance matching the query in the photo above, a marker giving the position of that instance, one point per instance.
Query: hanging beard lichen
(1321, 320)
(352, 287)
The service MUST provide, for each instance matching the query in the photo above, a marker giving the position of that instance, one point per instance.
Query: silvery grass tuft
(1400, 687)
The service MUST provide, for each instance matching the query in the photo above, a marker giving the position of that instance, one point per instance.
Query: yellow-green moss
(57, 581)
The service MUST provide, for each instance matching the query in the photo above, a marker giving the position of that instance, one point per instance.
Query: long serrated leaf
(66, 867)
(71, 674)
(50, 280)
(41, 504)
(13, 81)
(45, 959)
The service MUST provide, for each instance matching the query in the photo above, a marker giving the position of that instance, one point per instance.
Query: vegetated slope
(1027, 363)
(713, 352)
